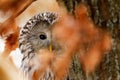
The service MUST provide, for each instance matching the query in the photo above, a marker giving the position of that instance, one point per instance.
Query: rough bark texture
(106, 14)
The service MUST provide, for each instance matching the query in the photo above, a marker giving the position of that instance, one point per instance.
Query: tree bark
(106, 14)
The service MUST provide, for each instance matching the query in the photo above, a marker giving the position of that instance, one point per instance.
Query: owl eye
(42, 36)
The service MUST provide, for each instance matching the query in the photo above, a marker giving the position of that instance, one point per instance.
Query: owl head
(36, 34)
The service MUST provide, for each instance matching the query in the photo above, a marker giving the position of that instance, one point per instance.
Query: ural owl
(35, 36)
(35, 41)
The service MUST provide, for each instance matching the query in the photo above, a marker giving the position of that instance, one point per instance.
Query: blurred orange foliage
(94, 41)
(8, 70)
(80, 35)
(8, 29)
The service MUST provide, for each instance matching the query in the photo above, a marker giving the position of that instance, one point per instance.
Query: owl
(35, 36)
(34, 41)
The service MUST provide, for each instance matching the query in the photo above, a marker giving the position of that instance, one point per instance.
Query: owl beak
(50, 47)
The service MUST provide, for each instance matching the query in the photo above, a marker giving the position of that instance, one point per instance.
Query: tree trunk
(106, 14)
